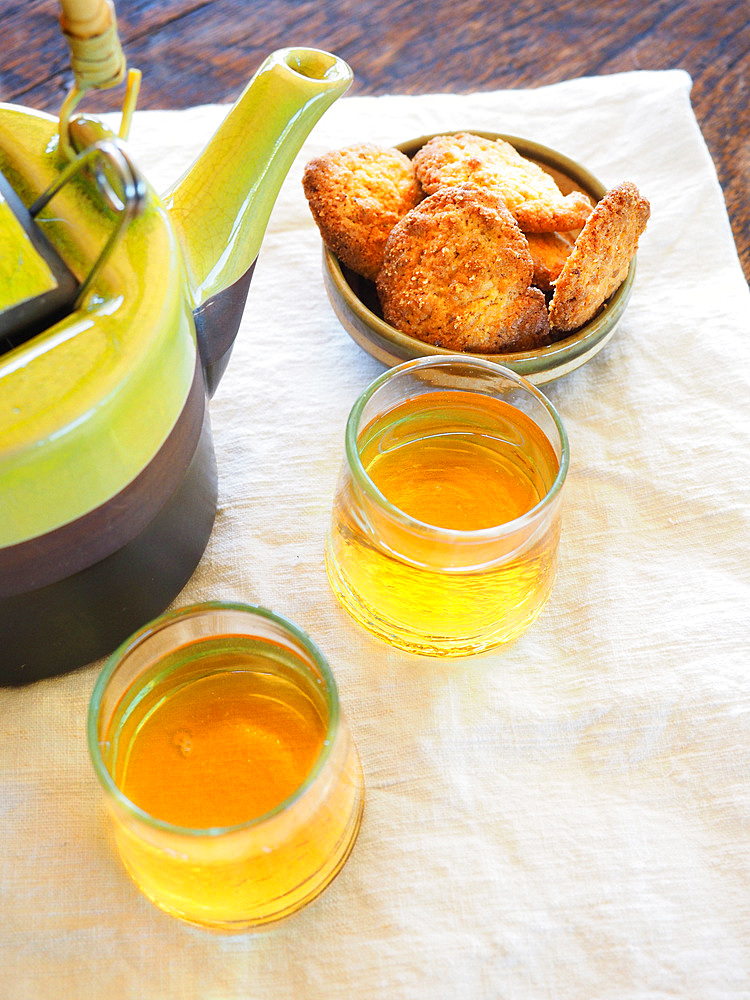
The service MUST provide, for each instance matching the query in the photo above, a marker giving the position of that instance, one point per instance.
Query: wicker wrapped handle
(96, 56)
(97, 60)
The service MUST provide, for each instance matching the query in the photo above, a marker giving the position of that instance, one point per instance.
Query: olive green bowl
(355, 300)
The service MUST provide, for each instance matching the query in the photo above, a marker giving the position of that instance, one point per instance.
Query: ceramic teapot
(108, 483)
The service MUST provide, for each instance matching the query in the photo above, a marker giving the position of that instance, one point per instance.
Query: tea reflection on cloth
(567, 817)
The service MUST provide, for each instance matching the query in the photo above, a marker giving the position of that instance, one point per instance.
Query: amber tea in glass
(446, 521)
(233, 784)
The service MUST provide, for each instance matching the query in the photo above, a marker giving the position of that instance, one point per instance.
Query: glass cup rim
(469, 535)
(163, 621)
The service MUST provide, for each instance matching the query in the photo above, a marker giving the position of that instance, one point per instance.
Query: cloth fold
(567, 817)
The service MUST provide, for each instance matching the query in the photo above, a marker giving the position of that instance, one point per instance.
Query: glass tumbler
(444, 532)
(232, 782)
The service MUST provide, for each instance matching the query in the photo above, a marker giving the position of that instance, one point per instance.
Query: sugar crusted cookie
(457, 274)
(599, 261)
(356, 196)
(529, 192)
(549, 251)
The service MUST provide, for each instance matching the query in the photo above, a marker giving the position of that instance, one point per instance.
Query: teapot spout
(220, 208)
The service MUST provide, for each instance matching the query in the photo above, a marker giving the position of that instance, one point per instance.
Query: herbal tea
(230, 733)
(460, 462)
(223, 748)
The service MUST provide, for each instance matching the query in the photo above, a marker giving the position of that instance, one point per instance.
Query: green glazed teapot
(108, 483)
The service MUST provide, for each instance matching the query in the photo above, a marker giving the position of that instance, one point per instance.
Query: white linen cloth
(565, 818)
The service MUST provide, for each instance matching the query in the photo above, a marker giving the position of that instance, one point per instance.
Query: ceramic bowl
(355, 300)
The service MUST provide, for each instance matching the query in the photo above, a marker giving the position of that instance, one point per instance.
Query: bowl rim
(578, 346)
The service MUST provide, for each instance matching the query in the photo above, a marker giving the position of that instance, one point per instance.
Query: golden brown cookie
(531, 194)
(457, 272)
(356, 196)
(549, 251)
(600, 259)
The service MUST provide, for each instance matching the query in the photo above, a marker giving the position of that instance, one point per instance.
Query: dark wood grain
(198, 51)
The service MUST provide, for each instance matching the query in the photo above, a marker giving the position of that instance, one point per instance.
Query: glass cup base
(281, 908)
(424, 644)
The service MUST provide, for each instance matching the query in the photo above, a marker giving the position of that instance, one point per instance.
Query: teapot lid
(43, 289)
(36, 285)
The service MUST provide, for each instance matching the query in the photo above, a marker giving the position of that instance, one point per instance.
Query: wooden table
(199, 51)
